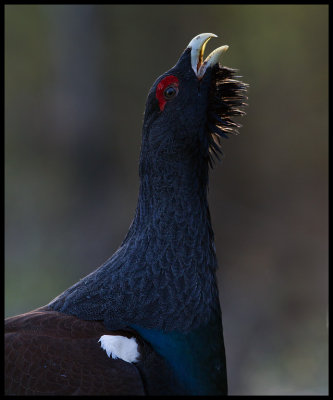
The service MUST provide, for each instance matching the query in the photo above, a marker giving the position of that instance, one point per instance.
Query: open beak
(197, 46)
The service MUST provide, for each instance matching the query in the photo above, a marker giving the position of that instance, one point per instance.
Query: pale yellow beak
(197, 46)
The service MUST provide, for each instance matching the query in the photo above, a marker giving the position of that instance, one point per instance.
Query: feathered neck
(163, 274)
(172, 202)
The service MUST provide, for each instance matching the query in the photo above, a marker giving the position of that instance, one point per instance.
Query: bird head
(189, 109)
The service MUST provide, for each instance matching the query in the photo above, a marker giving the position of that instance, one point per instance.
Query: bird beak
(197, 46)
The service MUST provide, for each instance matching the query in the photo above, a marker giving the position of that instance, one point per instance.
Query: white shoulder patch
(120, 347)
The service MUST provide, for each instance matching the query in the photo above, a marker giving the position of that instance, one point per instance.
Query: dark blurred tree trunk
(80, 117)
(76, 38)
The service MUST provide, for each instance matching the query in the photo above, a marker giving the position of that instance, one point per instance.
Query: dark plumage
(160, 285)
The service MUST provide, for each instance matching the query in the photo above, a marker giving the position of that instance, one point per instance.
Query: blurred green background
(76, 80)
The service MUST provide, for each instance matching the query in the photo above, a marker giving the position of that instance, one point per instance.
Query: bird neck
(173, 200)
(163, 276)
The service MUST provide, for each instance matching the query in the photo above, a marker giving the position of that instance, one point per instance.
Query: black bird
(148, 321)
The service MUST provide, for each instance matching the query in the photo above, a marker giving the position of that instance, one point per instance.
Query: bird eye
(166, 90)
(170, 92)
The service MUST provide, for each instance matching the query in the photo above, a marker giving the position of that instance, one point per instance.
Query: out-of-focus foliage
(76, 80)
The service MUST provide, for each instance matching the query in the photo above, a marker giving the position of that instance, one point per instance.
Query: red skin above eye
(170, 80)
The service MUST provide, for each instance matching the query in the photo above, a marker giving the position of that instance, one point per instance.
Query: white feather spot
(120, 347)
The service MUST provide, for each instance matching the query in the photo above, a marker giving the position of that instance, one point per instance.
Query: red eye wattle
(166, 90)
